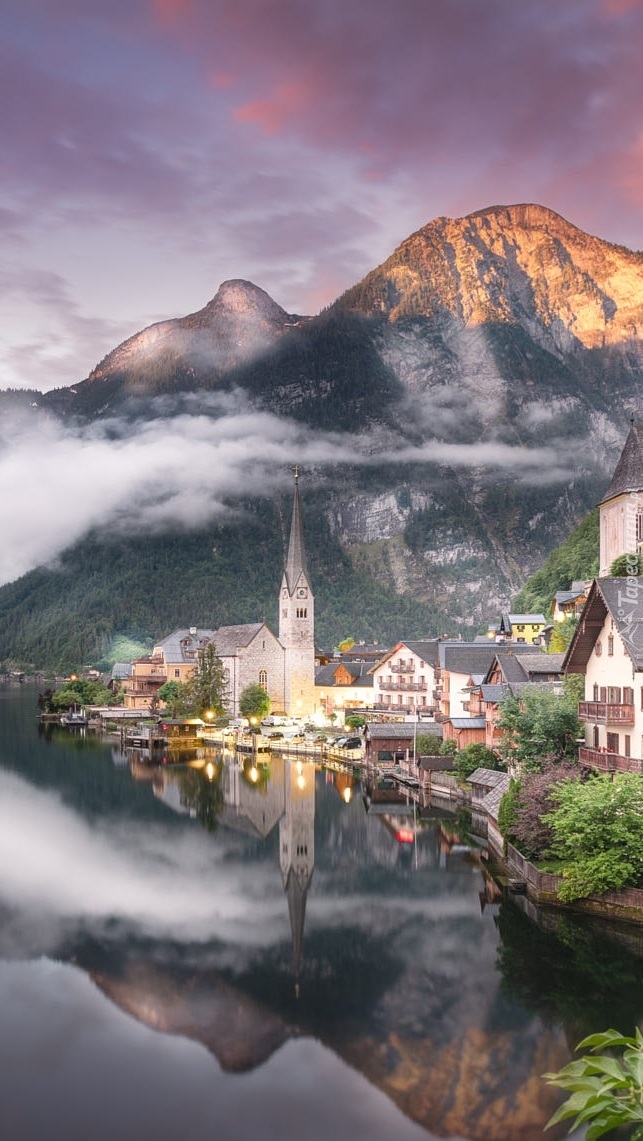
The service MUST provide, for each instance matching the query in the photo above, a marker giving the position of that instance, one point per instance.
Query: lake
(246, 952)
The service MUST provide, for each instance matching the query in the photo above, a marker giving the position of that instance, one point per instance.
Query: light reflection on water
(338, 955)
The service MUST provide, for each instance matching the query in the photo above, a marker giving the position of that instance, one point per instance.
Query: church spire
(296, 560)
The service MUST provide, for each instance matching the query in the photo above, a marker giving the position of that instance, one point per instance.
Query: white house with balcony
(404, 680)
(607, 649)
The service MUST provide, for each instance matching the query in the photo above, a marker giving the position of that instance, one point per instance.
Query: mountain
(486, 370)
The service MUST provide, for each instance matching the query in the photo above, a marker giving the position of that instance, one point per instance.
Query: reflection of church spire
(297, 849)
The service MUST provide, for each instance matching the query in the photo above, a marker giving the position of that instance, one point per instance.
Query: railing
(407, 686)
(609, 762)
(381, 707)
(402, 667)
(606, 713)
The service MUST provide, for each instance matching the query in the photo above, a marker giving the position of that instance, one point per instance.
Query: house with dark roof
(343, 685)
(404, 679)
(607, 648)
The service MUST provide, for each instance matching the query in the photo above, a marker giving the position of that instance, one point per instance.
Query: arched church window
(263, 679)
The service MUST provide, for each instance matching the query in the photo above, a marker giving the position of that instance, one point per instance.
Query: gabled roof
(467, 657)
(427, 649)
(622, 599)
(628, 476)
(489, 778)
(359, 671)
(494, 693)
(537, 664)
(389, 730)
(229, 639)
(491, 802)
(527, 619)
(182, 645)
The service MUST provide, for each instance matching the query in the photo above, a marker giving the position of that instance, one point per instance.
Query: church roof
(628, 476)
(296, 560)
(229, 639)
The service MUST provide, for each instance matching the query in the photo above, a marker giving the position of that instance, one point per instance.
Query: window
(595, 693)
(614, 694)
(628, 695)
(302, 612)
(598, 649)
(263, 679)
(612, 742)
(177, 673)
(626, 744)
(610, 645)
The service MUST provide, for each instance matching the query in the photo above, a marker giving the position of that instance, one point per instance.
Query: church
(283, 664)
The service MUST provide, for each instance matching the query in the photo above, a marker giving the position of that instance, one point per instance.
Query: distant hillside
(480, 379)
(575, 559)
(142, 588)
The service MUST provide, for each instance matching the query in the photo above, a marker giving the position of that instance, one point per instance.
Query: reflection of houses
(250, 652)
(404, 679)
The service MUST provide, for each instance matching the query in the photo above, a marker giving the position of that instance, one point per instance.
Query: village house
(522, 628)
(342, 686)
(462, 666)
(607, 647)
(512, 669)
(283, 665)
(388, 743)
(569, 603)
(404, 679)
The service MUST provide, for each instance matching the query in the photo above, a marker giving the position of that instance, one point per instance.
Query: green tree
(206, 689)
(428, 745)
(598, 834)
(79, 691)
(626, 565)
(604, 1090)
(355, 721)
(562, 634)
(254, 702)
(539, 726)
(171, 694)
(476, 756)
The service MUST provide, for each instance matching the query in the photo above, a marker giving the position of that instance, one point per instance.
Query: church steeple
(621, 508)
(296, 560)
(297, 620)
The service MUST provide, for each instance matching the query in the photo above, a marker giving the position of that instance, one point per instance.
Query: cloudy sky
(154, 148)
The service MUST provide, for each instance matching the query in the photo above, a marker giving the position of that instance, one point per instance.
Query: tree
(562, 634)
(604, 1090)
(475, 756)
(598, 834)
(254, 702)
(626, 565)
(78, 691)
(526, 826)
(355, 721)
(171, 694)
(428, 745)
(539, 726)
(206, 689)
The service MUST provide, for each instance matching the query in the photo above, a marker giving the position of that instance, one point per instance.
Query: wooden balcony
(604, 713)
(609, 762)
(402, 667)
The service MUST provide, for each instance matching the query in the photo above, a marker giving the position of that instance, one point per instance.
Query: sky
(152, 149)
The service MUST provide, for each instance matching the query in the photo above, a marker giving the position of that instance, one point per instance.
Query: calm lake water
(271, 953)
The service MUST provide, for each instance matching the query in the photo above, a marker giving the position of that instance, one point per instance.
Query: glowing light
(209, 714)
(348, 795)
(254, 774)
(301, 782)
(209, 769)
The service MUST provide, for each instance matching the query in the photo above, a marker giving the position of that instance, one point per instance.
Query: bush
(476, 756)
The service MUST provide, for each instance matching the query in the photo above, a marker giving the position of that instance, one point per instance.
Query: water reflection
(253, 907)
